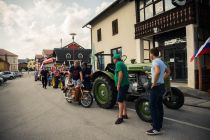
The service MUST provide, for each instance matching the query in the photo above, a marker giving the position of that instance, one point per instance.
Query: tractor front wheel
(104, 92)
(143, 109)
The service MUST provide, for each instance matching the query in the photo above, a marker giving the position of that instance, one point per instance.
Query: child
(49, 79)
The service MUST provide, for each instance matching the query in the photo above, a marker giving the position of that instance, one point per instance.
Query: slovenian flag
(204, 49)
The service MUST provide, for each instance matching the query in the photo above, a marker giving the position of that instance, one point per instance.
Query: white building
(112, 31)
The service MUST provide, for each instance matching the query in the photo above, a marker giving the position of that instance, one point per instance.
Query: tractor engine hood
(139, 67)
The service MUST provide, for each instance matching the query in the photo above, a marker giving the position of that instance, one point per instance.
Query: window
(141, 4)
(168, 5)
(115, 27)
(142, 15)
(100, 62)
(149, 11)
(205, 2)
(99, 35)
(146, 44)
(158, 7)
(151, 8)
(14, 60)
(116, 51)
(148, 2)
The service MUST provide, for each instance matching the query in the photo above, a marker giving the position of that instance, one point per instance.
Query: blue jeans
(156, 106)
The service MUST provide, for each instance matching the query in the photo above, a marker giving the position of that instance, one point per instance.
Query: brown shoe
(125, 116)
(119, 121)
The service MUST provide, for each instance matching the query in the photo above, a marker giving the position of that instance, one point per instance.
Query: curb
(197, 106)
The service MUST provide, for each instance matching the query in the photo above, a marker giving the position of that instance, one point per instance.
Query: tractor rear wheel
(104, 92)
(174, 99)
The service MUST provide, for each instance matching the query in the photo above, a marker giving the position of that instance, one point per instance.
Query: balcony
(169, 20)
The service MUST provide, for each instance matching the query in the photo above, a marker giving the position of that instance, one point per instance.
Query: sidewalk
(194, 97)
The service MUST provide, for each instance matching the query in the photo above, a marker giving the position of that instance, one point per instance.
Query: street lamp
(73, 35)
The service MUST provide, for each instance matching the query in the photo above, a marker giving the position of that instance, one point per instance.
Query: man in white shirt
(159, 72)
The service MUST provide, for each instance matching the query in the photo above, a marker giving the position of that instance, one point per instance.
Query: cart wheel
(86, 100)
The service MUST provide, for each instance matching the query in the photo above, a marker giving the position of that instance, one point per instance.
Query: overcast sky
(28, 26)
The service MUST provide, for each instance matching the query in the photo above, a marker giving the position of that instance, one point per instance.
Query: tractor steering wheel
(124, 58)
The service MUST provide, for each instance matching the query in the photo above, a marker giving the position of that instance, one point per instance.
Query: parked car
(3, 77)
(14, 74)
(18, 74)
(9, 75)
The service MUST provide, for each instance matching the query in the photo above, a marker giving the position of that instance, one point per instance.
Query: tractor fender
(144, 96)
(103, 73)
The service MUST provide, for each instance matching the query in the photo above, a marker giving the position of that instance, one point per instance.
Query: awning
(50, 60)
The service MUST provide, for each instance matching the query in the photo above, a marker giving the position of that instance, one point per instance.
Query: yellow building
(11, 58)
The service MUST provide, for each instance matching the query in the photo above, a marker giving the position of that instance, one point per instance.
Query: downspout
(200, 79)
(92, 51)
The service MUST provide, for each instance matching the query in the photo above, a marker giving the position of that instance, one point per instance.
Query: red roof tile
(73, 45)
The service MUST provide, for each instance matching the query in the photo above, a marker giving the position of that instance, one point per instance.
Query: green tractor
(105, 92)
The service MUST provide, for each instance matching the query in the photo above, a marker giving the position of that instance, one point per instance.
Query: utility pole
(73, 35)
(61, 42)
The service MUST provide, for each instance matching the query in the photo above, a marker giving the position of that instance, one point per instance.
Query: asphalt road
(27, 111)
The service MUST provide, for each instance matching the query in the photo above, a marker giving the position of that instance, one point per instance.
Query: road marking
(180, 122)
(186, 123)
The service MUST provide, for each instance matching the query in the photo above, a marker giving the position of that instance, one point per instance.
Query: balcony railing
(169, 20)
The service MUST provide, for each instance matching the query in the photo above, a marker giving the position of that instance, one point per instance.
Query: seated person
(76, 74)
(86, 72)
(77, 78)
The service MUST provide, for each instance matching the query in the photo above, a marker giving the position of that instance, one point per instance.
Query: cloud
(29, 31)
(102, 6)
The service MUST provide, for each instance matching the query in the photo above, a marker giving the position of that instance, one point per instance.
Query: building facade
(4, 65)
(71, 52)
(11, 58)
(176, 27)
(46, 53)
(31, 64)
(38, 61)
(113, 32)
(22, 64)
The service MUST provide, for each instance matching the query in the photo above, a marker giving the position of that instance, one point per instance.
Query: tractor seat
(110, 67)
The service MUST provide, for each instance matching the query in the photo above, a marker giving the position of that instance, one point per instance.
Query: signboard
(172, 60)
